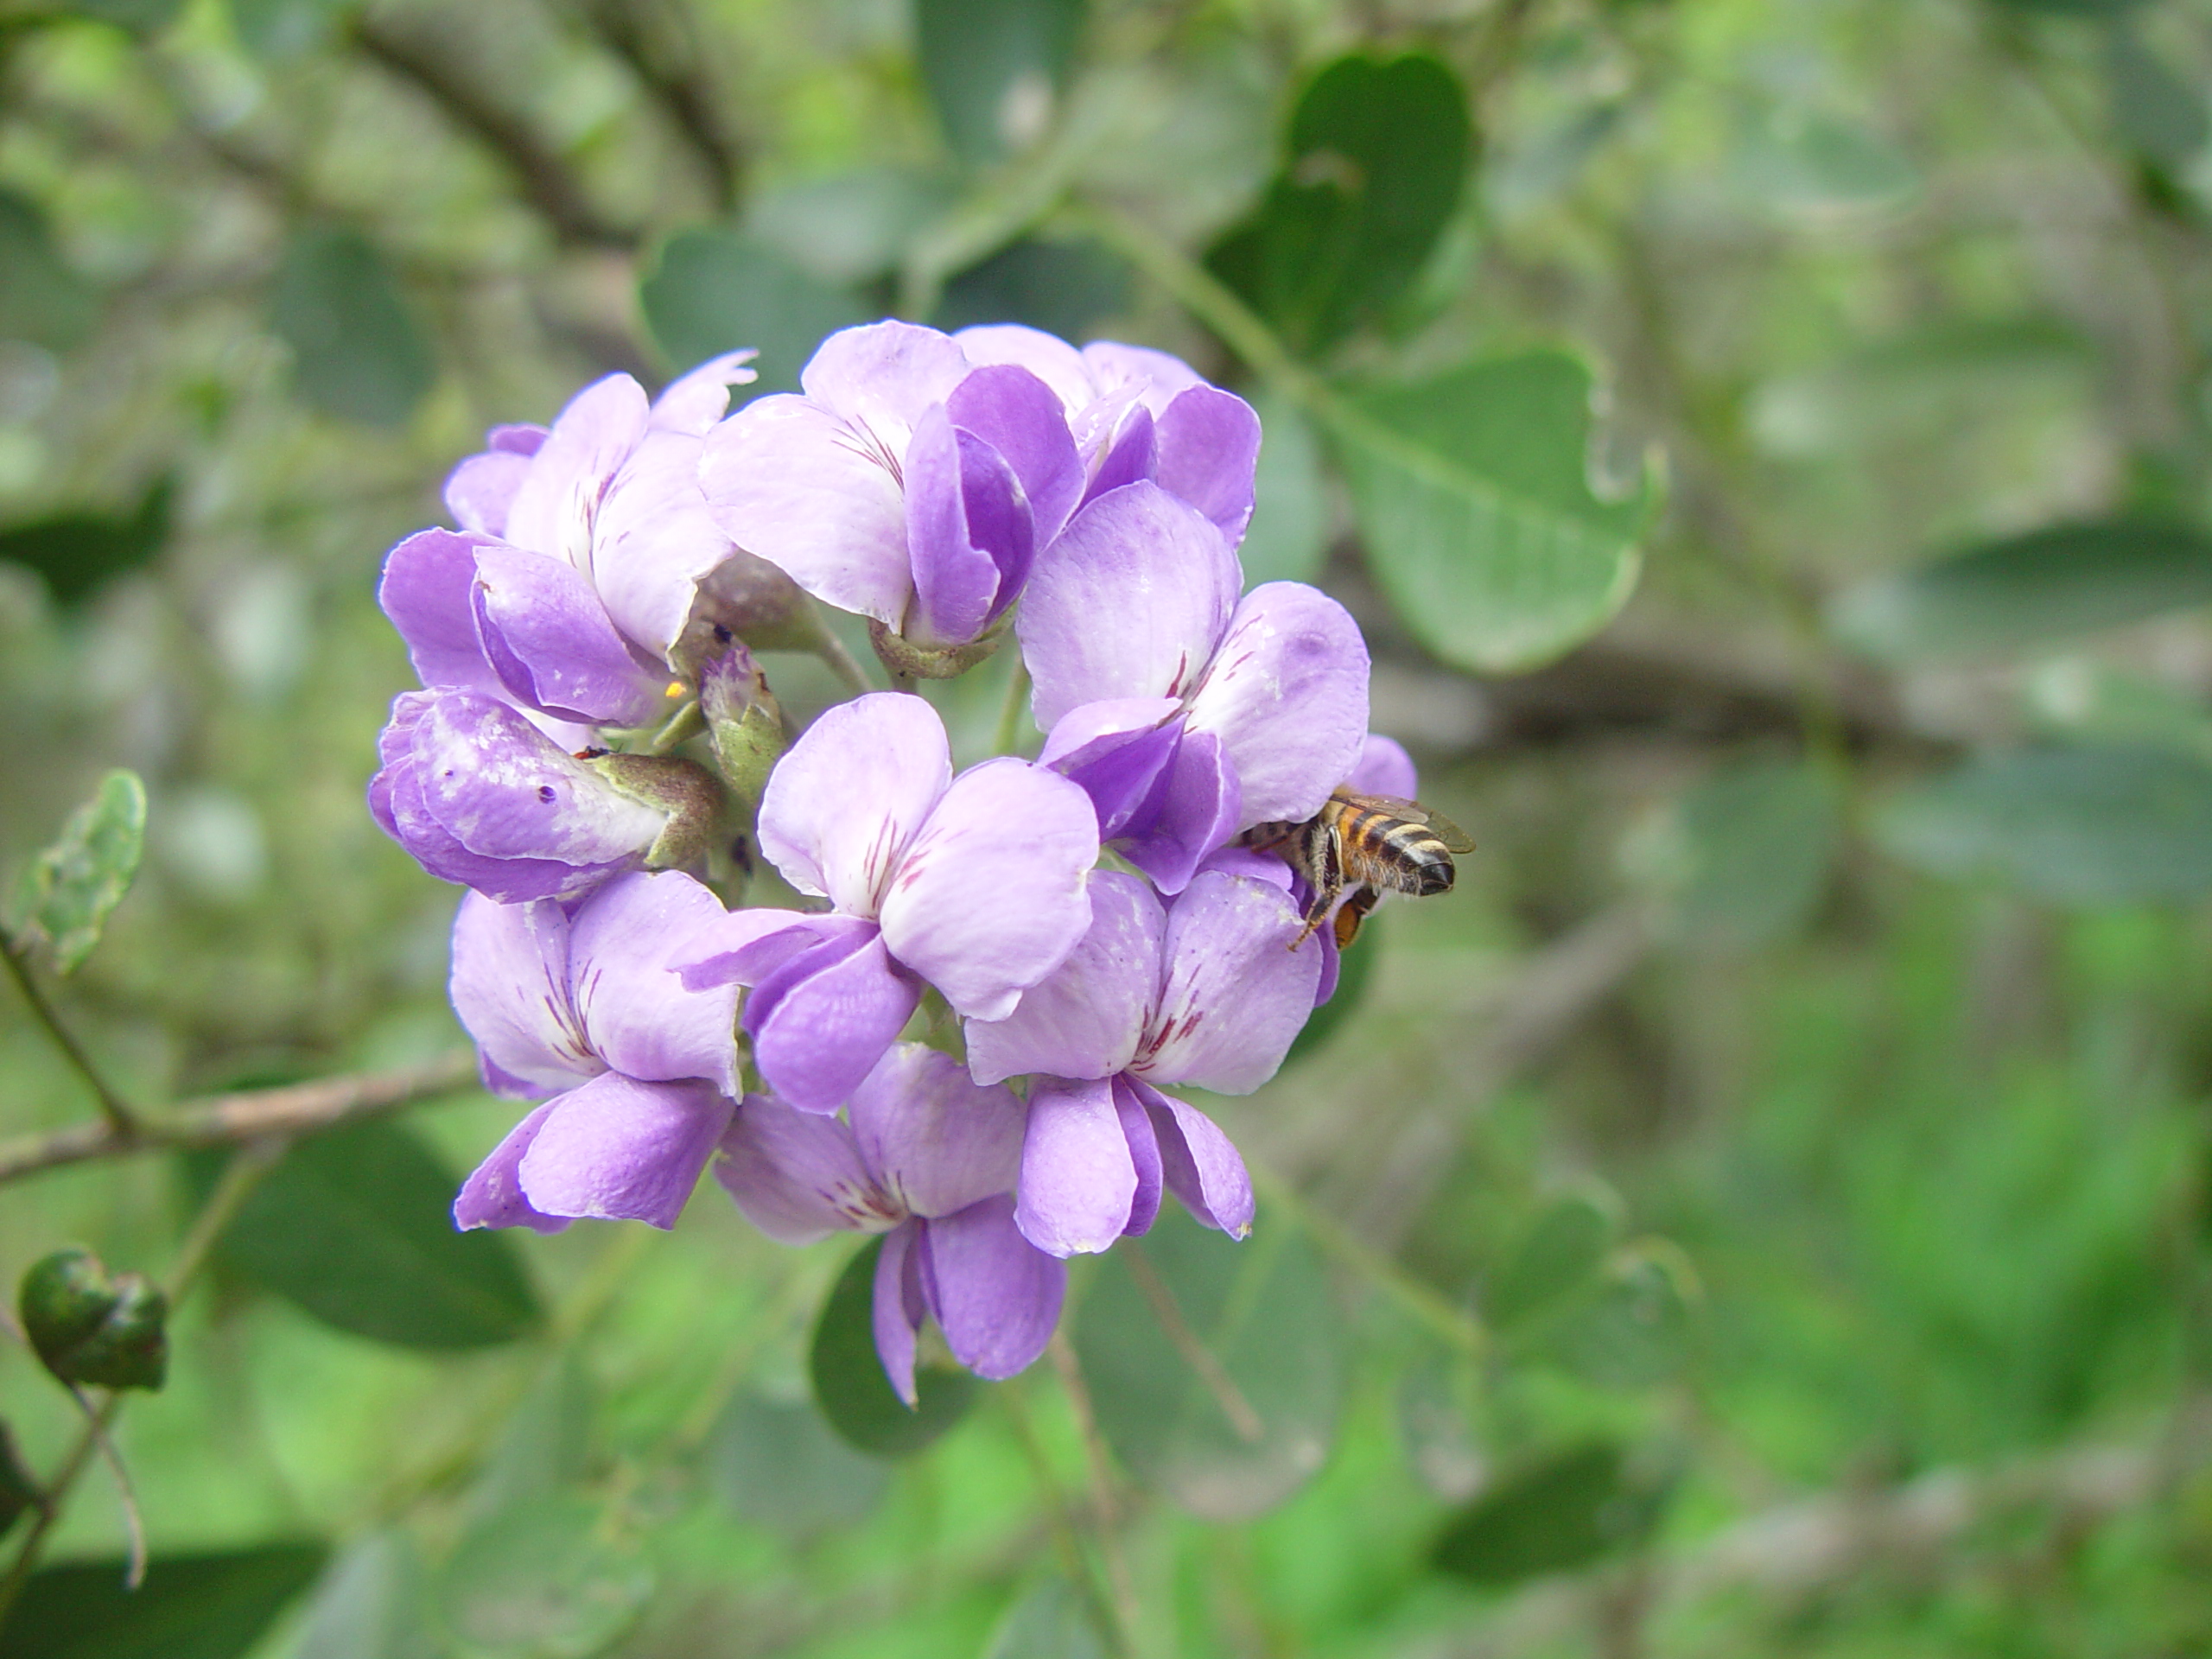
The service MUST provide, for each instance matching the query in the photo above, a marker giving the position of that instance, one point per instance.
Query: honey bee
(1371, 844)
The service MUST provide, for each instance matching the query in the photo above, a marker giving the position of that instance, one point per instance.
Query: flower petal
(816, 1036)
(897, 1308)
(478, 490)
(1144, 1153)
(617, 1149)
(934, 1140)
(1156, 377)
(1118, 753)
(746, 945)
(1203, 1169)
(1209, 447)
(1087, 1018)
(654, 541)
(881, 376)
(1048, 357)
(996, 1296)
(845, 801)
(692, 403)
(1021, 418)
(798, 1176)
(1287, 695)
(1384, 768)
(1234, 993)
(510, 986)
(1130, 455)
(989, 897)
(1078, 1178)
(967, 528)
(425, 591)
(1195, 815)
(1129, 601)
(636, 1012)
(553, 510)
(504, 789)
(490, 1197)
(552, 643)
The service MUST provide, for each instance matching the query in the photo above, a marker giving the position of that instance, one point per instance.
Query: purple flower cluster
(966, 1036)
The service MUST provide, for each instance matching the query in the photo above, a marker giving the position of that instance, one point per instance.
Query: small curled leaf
(67, 893)
(89, 1328)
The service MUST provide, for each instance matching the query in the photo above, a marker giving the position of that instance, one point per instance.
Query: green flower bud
(89, 1328)
(744, 722)
(683, 789)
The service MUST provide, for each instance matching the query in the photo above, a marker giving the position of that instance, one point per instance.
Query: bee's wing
(1454, 837)
(1450, 833)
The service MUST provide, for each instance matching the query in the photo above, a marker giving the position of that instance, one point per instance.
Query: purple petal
(934, 1140)
(503, 789)
(1209, 444)
(397, 804)
(1234, 993)
(842, 804)
(1203, 1169)
(899, 1309)
(490, 1198)
(746, 945)
(967, 532)
(1287, 695)
(1130, 456)
(636, 1013)
(996, 1296)
(1119, 753)
(654, 541)
(1129, 601)
(552, 512)
(428, 580)
(793, 484)
(1156, 377)
(617, 1149)
(798, 1176)
(1087, 1019)
(479, 490)
(510, 986)
(1079, 1177)
(692, 403)
(1384, 768)
(1021, 418)
(520, 438)
(881, 376)
(1048, 357)
(1144, 1153)
(989, 897)
(552, 643)
(820, 1023)
(1196, 814)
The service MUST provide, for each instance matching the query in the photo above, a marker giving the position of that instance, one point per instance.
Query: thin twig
(684, 92)
(1061, 1518)
(1200, 1358)
(841, 662)
(230, 1120)
(1105, 1505)
(121, 1120)
(133, 1523)
(1427, 1305)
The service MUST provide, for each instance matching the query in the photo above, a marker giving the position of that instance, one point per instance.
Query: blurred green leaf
(1758, 840)
(993, 68)
(371, 1603)
(1635, 1331)
(357, 351)
(1435, 1391)
(1561, 1512)
(42, 300)
(90, 1329)
(19, 1489)
(1060, 287)
(2153, 110)
(2029, 590)
(1047, 1620)
(78, 552)
(1288, 535)
(206, 1606)
(2079, 700)
(1472, 493)
(67, 892)
(139, 16)
(546, 1447)
(1560, 1252)
(1355, 969)
(717, 290)
(849, 1386)
(851, 227)
(288, 28)
(2072, 826)
(543, 1581)
(355, 1225)
(2070, 8)
(1377, 152)
(777, 1464)
(1814, 160)
(1217, 1367)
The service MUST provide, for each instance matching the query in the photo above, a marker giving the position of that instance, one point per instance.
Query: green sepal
(902, 655)
(744, 722)
(89, 1328)
(683, 789)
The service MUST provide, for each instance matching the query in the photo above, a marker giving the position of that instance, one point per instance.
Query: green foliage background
(1767, 1208)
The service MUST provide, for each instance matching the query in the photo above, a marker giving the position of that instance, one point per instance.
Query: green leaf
(2071, 826)
(852, 227)
(1289, 532)
(371, 1603)
(1472, 493)
(1559, 1513)
(1237, 1432)
(1635, 1331)
(355, 1225)
(546, 1447)
(1378, 152)
(1436, 1423)
(139, 17)
(19, 1488)
(1759, 839)
(1049, 1620)
(78, 553)
(208, 1607)
(2053, 583)
(1355, 969)
(777, 1464)
(69, 890)
(545, 1581)
(849, 1386)
(1809, 159)
(288, 28)
(2079, 700)
(357, 352)
(1060, 287)
(993, 68)
(718, 290)
(42, 300)
(90, 1329)
(2153, 110)
(1562, 1251)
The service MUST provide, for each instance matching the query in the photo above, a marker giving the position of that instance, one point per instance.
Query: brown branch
(675, 79)
(234, 1119)
(544, 178)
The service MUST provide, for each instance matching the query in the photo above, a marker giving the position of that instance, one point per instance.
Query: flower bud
(744, 722)
(902, 655)
(89, 1328)
(683, 789)
(752, 599)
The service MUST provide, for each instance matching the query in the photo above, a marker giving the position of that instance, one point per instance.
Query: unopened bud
(902, 655)
(683, 789)
(752, 600)
(88, 1328)
(744, 722)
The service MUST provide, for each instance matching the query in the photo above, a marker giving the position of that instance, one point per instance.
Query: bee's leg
(1328, 879)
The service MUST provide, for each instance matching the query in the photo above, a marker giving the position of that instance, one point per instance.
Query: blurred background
(1767, 443)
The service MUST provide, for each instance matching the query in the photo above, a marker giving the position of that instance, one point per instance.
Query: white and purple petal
(552, 643)
(1079, 1177)
(1088, 1018)
(930, 1137)
(996, 1296)
(492, 1197)
(510, 986)
(821, 1022)
(843, 803)
(1201, 1167)
(798, 1176)
(617, 1149)
(1234, 993)
(636, 1013)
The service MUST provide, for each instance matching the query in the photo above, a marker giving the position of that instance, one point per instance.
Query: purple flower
(579, 555)
(1203, 992)
(928, 1159)
(975, 885)
(903, 484)
(1186, 713)
(582, 1007)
